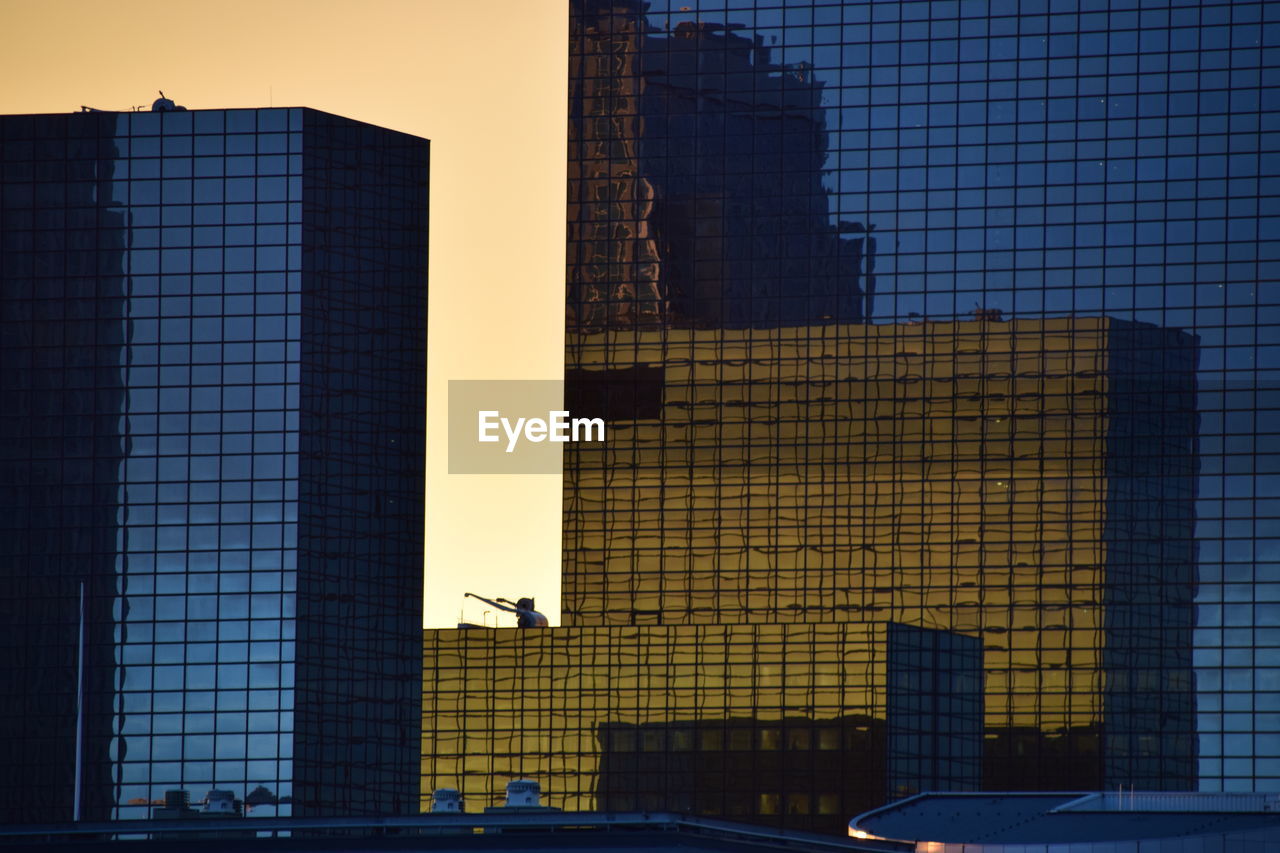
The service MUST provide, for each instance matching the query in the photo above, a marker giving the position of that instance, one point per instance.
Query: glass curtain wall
(763, 165)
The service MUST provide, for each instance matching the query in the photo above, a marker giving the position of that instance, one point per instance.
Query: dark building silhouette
(211, 420)
(805, 771)
(744, 767)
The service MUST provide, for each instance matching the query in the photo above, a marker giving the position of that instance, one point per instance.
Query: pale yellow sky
(485, 82)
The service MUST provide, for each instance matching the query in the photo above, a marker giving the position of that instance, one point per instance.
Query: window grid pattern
(1002, 480)
(207, 561)
(185, 297)
(783, 725)
(1088, 185)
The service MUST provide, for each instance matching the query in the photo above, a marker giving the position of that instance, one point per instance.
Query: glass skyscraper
(948, 316)
(1042, 160)
(212, 398)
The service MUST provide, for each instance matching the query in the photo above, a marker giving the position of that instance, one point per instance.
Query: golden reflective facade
(1029, 482)
(776, 510)
(789, 725)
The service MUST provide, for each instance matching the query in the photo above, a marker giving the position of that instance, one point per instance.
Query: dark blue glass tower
(1021, 170)
(212, 398)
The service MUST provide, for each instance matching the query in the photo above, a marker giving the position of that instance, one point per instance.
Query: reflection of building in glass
(933, 710)
(791, 725)
(695, 181)
(1030, 482)
(1025, 487)
(213, 413)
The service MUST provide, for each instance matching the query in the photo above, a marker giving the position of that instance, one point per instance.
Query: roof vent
(446, 801)
(523, 792)
(220, 802)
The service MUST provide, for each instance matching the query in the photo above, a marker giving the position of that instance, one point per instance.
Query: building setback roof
(1040, 818)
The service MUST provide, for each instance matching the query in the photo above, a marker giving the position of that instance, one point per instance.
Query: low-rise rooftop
(934, 821)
